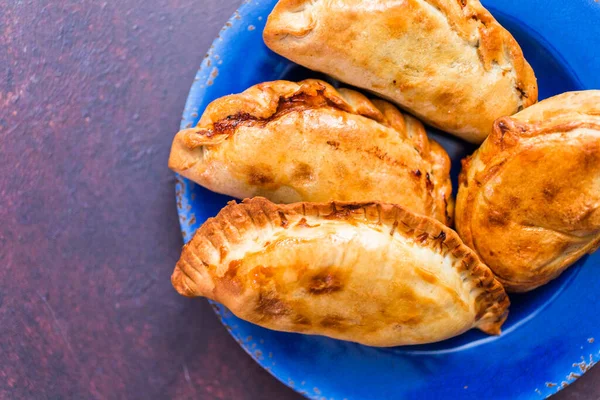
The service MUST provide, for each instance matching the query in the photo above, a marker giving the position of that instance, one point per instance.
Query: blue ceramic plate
(548, 340)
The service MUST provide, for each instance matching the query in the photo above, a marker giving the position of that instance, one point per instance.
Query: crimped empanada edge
(262, 104)
(267, 101)
(229, 226)
(494, 43)
(509, 134)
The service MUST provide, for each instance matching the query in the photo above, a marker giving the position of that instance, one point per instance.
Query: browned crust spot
(332, 321)
(270, 305)
(260, 176)
(334, 144)
(311, 94)
(303, 172)
(304, 224)
(325, 283)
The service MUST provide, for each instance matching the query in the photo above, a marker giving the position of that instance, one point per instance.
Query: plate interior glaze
(549, 338)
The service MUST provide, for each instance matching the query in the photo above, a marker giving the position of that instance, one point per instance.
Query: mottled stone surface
(91, 93)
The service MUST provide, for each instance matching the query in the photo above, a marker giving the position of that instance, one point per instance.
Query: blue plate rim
(203, 79)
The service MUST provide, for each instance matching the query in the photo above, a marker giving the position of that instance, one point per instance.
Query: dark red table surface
(91, 94)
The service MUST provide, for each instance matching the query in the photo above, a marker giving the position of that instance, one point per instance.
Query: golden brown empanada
(529, 198)
(449, 62)
(370, 273)
(308, 141)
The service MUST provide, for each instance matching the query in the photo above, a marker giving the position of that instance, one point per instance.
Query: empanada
(449, 62)
(529, 198)
(370, 273)
(307, 141)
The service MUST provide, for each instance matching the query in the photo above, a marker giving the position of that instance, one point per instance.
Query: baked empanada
(529, 198)
(370, 273)
(307, 141)
(449, 62)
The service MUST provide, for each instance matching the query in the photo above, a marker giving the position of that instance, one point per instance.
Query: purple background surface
(91, 94)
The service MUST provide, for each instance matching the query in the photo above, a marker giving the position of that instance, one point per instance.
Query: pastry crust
(529, 198)
(449, 62)
(371, 273)
(307, 141)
